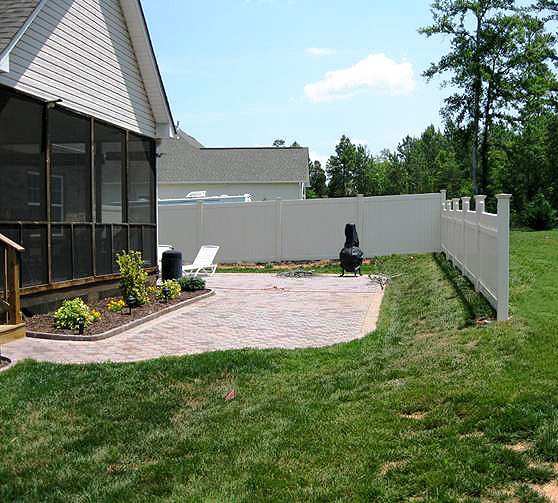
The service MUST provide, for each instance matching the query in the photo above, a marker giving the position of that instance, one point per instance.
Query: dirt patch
(549, 490)
(272, 266)
(519, 447)
(109, 320)
(392, 465)
(415, 416)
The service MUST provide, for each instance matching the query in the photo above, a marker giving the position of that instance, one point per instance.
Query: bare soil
(109, 320)
(294, 264)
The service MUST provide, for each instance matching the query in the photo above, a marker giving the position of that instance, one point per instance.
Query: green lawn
(424, 409)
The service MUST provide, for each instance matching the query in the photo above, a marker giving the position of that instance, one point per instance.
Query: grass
(424, 409)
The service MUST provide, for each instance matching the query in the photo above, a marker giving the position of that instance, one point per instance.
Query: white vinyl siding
(80, 51)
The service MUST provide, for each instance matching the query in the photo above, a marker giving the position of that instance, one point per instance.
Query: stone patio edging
(118, 330)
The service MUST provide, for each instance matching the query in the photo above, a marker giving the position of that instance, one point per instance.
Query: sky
(247, 72)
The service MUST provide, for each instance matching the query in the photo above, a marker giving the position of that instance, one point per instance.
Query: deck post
(14, 311)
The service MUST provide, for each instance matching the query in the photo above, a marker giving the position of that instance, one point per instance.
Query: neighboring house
(81, 106)
(185, 165)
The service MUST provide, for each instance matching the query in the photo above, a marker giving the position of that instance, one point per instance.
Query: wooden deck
(11, 332)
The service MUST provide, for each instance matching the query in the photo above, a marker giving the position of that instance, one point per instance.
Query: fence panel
(314, 228)
(303, 229)
(477, 243)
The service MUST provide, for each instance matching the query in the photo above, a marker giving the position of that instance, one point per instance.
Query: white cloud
(359, 141)
(376, 73)
(320, 51)
(314, 156)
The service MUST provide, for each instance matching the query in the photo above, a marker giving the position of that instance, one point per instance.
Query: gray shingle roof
(13, 14)
(183, 160)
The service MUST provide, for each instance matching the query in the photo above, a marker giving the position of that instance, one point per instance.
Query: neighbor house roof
(183, 159)
(17, 15)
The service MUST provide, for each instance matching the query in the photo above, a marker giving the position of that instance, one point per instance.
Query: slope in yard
(428, 408)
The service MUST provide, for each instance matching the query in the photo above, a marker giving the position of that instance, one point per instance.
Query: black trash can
(171, 265)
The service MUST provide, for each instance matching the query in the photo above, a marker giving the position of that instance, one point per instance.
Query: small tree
(539, 214)
(134, 277)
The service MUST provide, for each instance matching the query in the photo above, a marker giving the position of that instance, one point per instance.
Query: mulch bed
(109, 320)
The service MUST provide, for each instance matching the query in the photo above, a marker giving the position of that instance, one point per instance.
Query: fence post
(199, 233)
(465, 203)
(503, 256)
(479, 208)
(278, 230)
(360, 215)
(443, 196)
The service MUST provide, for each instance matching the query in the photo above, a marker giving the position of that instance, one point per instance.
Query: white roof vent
(196, 193)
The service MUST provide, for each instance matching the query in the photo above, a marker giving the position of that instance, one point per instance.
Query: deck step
(11, 332)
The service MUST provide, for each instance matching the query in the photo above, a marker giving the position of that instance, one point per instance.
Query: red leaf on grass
(231, 395)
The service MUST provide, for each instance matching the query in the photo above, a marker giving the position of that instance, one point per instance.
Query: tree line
(500, 126)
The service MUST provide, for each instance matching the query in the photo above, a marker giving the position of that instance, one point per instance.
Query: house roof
(14, 19)
(17, 15)
(185, 160)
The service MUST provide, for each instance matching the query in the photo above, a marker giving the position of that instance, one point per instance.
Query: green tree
(278, 143)
(339, 169)
(318, 184)
(499, 63)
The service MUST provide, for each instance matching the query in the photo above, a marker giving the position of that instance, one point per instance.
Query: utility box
(171, 265)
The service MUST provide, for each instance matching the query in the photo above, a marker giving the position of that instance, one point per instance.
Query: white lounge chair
(203, 261)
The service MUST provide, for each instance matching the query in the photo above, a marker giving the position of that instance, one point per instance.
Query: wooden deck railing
(10, 259)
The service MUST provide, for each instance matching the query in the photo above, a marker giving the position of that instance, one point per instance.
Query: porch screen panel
(141, 180)
(149, 245)
(22, 168)
(61, 249)
(119, 243)
(70, 180)
(103, 250)
(135, 238)
(109, 168)
(34, 266)
(83, 259)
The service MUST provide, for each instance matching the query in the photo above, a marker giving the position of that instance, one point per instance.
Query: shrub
(116, 305)
(133, 281)
(191, 284)
(172, 285)
(72, 311)
(539, 214)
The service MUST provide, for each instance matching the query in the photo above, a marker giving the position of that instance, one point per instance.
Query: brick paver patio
(248, 311)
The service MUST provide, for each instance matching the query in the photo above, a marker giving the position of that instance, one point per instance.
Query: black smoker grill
(351, 255)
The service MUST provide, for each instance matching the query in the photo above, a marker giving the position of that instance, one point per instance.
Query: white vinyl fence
(269, 231)
(478, 244)
(303, 229)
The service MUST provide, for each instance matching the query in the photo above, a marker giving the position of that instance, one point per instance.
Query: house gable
(81, 52)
